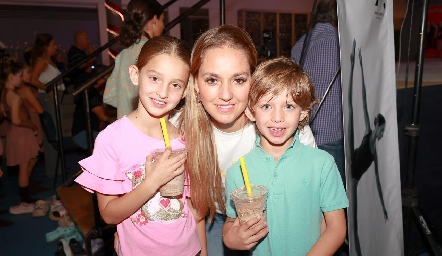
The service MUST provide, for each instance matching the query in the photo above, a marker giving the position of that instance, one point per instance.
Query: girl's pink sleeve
(101, 172)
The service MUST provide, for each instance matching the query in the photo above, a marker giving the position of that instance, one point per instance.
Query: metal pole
(169, 4)
(409, 193)
(59, 132)
(416, 100)
(222, 12)
(185, 14)
(87, 113)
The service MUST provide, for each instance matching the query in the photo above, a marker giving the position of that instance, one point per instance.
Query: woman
(145, 19)
(21, 143)
(43, 71)
(29, 95)
(223, 59)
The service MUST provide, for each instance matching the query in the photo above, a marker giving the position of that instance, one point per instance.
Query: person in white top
(43, 71)
(217, 131)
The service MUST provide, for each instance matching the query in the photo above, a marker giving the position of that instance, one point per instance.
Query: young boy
(303, 182)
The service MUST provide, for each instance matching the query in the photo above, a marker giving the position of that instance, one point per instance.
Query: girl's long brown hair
(202, 160)
(41, 42)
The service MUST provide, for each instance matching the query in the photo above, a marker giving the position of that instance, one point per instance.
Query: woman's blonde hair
(202, 161)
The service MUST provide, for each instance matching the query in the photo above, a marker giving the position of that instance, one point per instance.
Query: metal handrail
(168, 27)
(94, 79)
(94, 54)
(77, 65)
(108, 69)
(185, 14)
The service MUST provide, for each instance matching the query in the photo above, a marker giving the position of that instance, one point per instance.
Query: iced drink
(175, 186)
(248, 207)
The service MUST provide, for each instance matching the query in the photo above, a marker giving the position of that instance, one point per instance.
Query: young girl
(29, 96)
(303, 182)
(216, 128)
(121, 169)
(144, 21)
(21, 144)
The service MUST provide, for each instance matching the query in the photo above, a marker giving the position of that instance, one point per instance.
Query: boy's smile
(277, 119)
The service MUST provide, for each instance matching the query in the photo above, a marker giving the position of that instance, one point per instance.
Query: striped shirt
(321, 61)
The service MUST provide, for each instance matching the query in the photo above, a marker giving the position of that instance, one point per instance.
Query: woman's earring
(198, 97)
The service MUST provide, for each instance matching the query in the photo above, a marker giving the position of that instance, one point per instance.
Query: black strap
(325, 94)
(307, 37)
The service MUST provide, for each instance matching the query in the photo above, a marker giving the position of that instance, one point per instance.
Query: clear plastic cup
(175, 186)
(248, 207)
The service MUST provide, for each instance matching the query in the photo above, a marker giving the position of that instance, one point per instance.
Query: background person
(145, 20)
(44, 71)
(21, 143)
(321, 62)
(79, 51)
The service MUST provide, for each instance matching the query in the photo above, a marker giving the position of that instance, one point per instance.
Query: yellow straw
(164, 129)
(245, 176)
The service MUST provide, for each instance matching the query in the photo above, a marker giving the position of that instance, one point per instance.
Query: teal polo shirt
(303, 183)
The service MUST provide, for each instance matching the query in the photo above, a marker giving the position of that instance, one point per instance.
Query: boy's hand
(245, 236)
(163, 169)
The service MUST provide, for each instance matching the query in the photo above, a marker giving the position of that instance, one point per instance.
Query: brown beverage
(175, 186)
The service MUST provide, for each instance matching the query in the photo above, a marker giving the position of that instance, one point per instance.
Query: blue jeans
(336, 149)
(214, 235)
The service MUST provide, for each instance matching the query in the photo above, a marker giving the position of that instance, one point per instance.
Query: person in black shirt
(79, 51)
(98, 114)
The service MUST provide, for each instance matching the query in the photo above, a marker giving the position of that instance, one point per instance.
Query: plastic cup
(248, 207)
(175, 186)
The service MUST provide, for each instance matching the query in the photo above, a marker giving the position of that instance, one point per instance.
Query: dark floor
(27, 235)
(428, 171)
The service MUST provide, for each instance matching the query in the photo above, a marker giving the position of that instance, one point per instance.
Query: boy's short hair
(276, 75)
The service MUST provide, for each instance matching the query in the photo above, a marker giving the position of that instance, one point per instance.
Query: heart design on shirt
(165, 203)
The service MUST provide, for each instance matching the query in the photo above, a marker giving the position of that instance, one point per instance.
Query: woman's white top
(50, 73)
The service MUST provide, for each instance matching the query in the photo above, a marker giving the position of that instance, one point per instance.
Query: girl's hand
(247, 235)
(164, 168)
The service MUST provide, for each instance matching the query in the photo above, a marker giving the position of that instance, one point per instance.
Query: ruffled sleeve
(101, 170)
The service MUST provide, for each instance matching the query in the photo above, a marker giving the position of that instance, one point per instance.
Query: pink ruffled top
(162, 226)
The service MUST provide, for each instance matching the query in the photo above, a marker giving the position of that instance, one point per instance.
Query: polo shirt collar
(291, 150)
